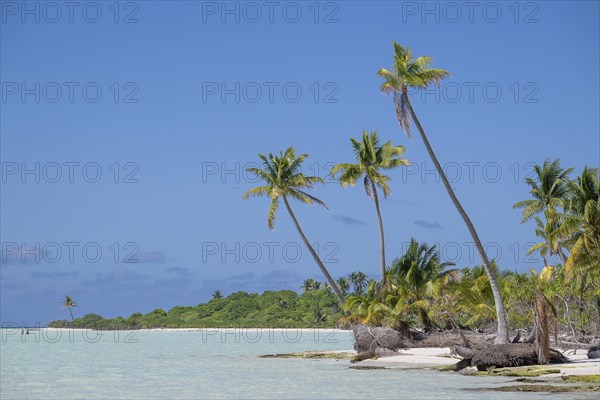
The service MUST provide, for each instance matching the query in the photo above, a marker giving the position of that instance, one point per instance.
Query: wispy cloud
(345, 219)
(151, 257)
(53, 274)
(180, 271)
(428, 225)
(118, 278)
(252, 282)
(11, 285)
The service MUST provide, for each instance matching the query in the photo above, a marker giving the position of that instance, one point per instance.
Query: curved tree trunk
(381, 239)
(502, 333)
(330, 281)
(71, 312)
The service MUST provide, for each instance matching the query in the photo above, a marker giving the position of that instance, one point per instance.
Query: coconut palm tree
(581, 222)
(409, 72)
(69, 303)
(549, 189)
(476, 292)
(370, 159)
(311, 284)
(217, 294)
(550, 244)
(343, 284)
(307, 285)
(359, 281)
(365, 305)
(284, 179)
(419, 276)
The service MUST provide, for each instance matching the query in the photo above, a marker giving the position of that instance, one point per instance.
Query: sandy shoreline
(323, 330)
(438, 357)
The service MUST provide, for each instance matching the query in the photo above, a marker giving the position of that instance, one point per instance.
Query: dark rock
(368, 338)
(594, 352)
(556, 357)
(459, 366)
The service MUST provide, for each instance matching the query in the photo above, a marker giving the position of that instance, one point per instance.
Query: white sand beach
(437, 357)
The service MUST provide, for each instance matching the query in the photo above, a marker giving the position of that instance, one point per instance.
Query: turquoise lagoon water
(211, 364)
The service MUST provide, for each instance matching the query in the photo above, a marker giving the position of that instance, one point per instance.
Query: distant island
(282, 309)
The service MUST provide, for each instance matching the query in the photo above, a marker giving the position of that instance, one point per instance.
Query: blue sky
(138, 132)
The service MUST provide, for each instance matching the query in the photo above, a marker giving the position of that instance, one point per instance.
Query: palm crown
(419, 271)
(370, 157)
(408, 72)
(283, 177)
(549, 189)
(68, 302)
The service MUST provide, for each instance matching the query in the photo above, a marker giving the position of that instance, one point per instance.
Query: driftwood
(531, 337)
(517, 338)
(464, 352)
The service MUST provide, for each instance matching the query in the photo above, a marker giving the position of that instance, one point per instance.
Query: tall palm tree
(359, 281)
(549, 188)
(217, 294)
(411, 72)
(284, 179)
(418, 276)
(371, 158)
(69, 303)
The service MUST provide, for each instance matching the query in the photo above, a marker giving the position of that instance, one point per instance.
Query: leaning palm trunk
(381, 239)
(502, 334)
(330, 281)
(71, 312)
(542, 339)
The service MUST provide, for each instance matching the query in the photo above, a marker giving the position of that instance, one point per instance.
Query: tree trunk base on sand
(509, 355)
(377, 341)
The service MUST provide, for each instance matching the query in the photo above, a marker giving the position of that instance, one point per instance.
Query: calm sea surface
(52, 364)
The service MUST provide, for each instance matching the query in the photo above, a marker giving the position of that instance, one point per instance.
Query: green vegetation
(283, 309)
(582, 378)
(542, 388)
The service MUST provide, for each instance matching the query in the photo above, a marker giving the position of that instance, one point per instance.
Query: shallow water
(212, 364)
